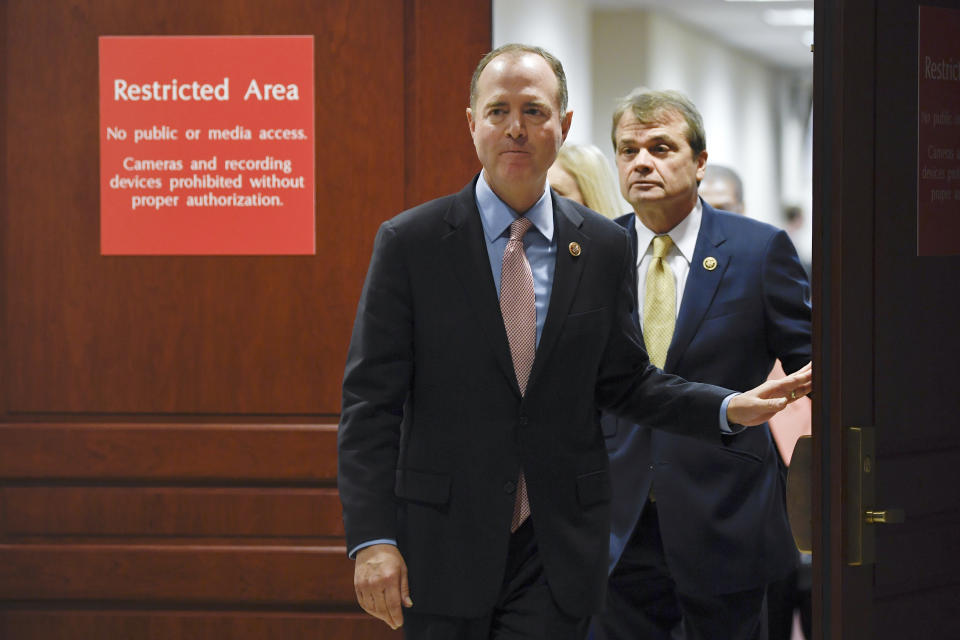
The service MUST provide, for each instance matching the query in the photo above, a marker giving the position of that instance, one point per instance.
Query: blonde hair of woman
(582, 173)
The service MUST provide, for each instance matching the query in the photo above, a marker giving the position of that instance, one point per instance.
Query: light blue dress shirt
(538, 243)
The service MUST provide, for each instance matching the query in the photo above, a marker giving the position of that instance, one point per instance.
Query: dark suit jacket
(721, 508)
(434, 431)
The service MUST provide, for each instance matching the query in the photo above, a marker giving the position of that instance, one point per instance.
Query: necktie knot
(661, 246)
(519, 227)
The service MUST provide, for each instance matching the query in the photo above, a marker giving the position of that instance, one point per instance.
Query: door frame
(843, 209)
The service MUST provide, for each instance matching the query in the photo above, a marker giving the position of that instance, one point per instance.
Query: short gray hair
(650, 106)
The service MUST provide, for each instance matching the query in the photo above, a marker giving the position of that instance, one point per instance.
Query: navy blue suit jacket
(721, 507)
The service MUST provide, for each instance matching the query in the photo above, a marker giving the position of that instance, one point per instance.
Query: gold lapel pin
(709, 263)
(574, 249)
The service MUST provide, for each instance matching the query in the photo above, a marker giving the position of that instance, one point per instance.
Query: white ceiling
(738, 23)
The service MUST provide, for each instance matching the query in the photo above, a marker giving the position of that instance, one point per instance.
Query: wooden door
(168, 424)
(886, 340)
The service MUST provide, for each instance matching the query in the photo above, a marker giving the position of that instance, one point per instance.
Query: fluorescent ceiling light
(788, 17)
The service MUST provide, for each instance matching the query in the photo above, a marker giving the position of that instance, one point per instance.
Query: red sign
(938, 148)
(206, 145)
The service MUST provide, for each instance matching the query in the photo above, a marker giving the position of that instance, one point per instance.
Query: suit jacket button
(509, 486)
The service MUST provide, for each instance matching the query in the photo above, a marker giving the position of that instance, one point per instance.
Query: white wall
(562, 27)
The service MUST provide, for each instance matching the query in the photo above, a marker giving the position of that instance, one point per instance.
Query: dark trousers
(525, 608)
(643, 602)
(786, 596)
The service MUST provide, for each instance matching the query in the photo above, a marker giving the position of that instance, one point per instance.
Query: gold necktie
(659, 303)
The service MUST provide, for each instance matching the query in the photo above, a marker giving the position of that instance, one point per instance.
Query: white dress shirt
(684, 237)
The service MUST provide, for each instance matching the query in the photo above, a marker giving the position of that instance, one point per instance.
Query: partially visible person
(792, 595)
(698, 530)
(722, 188)
(581, 172)
(793, 217)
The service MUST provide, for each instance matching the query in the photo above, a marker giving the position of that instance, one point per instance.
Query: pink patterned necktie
(518, 307)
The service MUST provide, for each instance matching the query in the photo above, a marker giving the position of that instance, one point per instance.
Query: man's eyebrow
(662, 137)
(501, 102)
(655, 139)
(495, 103)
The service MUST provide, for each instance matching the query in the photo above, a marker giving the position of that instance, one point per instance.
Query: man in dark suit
(472, 469)
(699, 529)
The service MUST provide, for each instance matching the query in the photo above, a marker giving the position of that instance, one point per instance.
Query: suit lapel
(466, 250)
(566, 277)
(701, 287)
(629, 223)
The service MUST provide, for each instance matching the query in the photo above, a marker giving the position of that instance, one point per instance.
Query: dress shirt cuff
(726, 427)
(364, 545)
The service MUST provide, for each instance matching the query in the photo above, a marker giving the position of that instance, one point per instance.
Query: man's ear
(470, 121)
(565, 123)
(701, 165)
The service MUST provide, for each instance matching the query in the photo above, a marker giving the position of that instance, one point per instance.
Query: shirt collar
(497, 216)
(684, 235)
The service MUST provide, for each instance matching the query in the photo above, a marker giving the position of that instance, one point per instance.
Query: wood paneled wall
(168, 424)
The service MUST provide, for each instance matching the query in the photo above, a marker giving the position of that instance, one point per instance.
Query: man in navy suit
(699, 529)
(442, 434)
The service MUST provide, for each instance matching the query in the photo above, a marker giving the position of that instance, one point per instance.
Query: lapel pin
(574, 249)
(710, 263)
